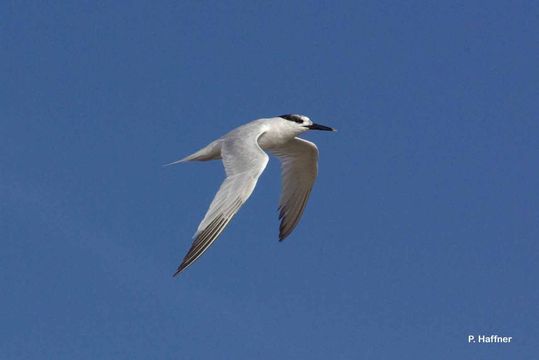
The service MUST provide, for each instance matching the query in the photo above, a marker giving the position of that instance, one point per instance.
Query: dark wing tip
(206, 237)
(282, 234)
(180, 269)
(283, 210)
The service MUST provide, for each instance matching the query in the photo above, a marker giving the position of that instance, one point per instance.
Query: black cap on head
(293, 117)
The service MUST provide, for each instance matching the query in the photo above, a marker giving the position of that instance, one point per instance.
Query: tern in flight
(244, 159)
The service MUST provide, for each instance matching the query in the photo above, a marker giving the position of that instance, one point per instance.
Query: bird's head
(301, 123)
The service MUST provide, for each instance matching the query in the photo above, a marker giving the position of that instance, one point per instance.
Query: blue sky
(421, 230)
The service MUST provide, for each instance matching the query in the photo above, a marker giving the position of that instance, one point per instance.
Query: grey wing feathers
(244, 161)
(299, 168)
(204, 238)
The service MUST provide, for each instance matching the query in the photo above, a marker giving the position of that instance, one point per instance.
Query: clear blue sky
(422, 228)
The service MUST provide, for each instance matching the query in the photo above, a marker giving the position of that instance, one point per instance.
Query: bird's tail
(210, 152)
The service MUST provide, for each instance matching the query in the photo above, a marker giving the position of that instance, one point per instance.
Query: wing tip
(179, 270)
(283, 234)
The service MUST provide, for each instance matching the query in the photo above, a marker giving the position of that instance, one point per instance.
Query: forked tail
(210, 152)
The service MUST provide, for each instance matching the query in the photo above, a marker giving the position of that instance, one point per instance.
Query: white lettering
(488, 339)
(482, 338)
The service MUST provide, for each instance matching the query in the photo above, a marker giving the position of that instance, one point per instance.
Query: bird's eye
(299, 121)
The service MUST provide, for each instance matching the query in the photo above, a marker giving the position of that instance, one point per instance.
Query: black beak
(320, 127)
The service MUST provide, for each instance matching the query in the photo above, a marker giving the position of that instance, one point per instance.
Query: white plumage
(244, 159)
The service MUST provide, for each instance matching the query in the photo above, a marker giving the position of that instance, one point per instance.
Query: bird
(242, 152)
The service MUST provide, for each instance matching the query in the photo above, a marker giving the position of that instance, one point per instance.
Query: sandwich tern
(244, 159)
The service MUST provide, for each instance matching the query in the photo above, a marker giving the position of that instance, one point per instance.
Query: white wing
(244, 161)
(299, 167)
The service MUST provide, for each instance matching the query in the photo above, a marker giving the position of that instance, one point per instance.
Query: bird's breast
(271, 139)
